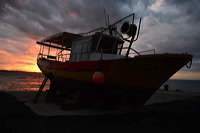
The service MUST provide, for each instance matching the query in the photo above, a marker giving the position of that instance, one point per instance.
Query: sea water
(21, 81)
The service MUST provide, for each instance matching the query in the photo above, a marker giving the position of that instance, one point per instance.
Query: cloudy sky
(169, 26)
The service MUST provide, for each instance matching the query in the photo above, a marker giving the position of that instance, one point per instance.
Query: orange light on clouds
(20, 60)
(158, 2)
(2, 52)
(20, 65)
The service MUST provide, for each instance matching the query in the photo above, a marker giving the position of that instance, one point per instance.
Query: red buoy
(98, 77)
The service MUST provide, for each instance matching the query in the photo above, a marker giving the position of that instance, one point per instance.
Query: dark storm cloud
(173, 27)
(30, 17)
(41, 18)
(189, 8)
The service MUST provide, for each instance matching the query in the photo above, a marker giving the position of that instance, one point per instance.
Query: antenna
(105, 17)
(108, 19)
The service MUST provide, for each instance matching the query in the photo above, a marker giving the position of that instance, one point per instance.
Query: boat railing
(66, 57)
(60, 57)
(107, 52)
(99, 30)
(153, 51)
(63, 57)
(150, 50)
(45, 57)
(102, 30)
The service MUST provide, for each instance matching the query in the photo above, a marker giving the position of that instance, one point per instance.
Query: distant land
(10, 71)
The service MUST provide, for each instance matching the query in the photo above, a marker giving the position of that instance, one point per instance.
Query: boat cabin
(76, 47)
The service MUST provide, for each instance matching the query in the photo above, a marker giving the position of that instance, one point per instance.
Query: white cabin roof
(63, 38)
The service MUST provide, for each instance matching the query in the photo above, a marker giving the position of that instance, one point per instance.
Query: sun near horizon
(33, 68)
(23, 59)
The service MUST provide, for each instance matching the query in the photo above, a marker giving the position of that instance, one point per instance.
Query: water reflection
(12, 81)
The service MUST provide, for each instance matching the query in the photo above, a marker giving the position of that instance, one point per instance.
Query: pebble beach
(165, 112)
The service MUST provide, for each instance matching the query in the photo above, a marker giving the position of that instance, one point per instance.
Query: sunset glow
(21, 60)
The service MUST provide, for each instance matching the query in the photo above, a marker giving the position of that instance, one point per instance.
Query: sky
(169, 26)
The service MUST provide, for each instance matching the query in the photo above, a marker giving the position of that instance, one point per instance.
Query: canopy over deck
(63, 38)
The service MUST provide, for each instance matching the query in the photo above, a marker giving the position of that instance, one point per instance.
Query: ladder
(40, 90)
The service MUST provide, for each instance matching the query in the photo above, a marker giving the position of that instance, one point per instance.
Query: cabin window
(108, 44)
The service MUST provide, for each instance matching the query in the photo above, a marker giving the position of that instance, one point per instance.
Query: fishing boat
(101, 66)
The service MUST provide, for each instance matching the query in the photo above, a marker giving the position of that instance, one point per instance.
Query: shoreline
(178, 115)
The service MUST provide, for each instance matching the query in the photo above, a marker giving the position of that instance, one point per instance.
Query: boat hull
(127, 81)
